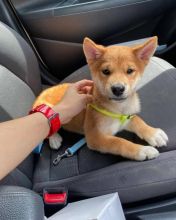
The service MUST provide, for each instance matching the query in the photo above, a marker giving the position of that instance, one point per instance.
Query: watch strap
(51, 115)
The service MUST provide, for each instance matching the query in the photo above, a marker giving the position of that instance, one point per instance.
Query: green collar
(122, 118)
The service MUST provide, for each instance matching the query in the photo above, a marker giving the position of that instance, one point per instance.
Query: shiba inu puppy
(116, 71)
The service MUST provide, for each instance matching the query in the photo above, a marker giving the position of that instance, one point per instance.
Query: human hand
(77, 96)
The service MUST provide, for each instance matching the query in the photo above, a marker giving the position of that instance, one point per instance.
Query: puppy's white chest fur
(117, 126)
(112, 126)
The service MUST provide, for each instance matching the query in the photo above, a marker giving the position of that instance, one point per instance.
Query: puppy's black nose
(118, 89)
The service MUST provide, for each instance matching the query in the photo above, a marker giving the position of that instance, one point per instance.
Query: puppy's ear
(146, 50)
(91, 50)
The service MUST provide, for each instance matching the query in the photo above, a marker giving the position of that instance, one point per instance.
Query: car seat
(89, 173)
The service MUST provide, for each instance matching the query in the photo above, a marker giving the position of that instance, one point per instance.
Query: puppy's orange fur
(99, 129)
(51, 96)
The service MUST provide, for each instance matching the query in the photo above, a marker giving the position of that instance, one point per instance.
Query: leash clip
(59, 158)
(69, 151)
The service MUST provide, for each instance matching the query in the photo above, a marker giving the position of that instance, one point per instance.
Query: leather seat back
(17, 56)
(19, 83)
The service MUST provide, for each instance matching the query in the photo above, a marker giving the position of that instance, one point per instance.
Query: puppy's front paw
(147, 152)
(55, 141)
(158, 139)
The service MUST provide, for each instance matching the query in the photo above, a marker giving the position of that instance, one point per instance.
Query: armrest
(19, 203)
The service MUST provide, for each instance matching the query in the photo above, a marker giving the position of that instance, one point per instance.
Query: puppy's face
(116, 70)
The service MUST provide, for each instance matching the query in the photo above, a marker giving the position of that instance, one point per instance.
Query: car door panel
(58, 27)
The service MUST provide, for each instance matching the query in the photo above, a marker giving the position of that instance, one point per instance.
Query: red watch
(51, 115)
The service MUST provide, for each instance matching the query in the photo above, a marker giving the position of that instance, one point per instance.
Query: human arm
(20, 136)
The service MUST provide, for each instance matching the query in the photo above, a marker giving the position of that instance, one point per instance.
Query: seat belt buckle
(55, 196)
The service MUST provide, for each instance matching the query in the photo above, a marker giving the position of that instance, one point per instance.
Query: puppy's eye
(106, 72)
(130, 71)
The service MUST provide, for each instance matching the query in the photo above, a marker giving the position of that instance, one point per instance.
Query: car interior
(41, 46)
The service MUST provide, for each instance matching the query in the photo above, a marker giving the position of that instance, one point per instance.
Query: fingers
(86, 90)
(80, 84)
(87, 98)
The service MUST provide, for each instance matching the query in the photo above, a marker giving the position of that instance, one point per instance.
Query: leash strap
(69, 151)
(38, 149)
(72, 150)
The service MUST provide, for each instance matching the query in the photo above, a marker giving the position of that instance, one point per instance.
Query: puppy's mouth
(118, 99)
